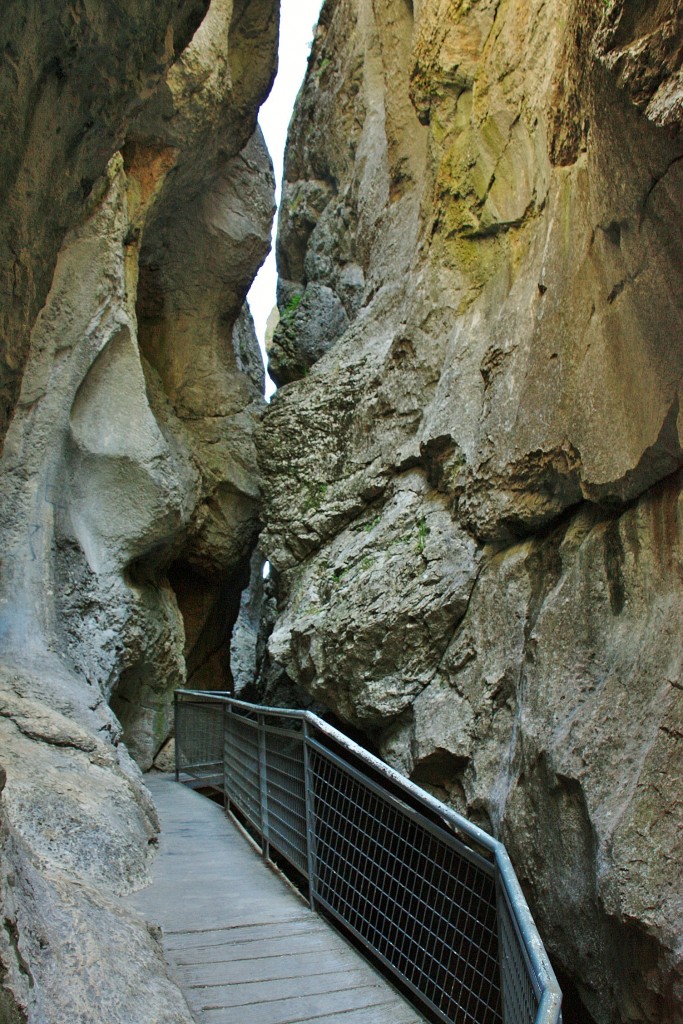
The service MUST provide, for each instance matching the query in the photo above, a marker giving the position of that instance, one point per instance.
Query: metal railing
(424, 891)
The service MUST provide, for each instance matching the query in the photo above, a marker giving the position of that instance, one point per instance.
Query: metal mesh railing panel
(199, 740)
(441, 910)
(520, 999)
(286, 793)
(426, 909)
(242, 772)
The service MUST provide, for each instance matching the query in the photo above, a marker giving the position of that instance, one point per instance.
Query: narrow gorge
(467, 487)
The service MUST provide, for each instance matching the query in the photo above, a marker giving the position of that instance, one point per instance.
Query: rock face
(69, 81)
(137, 206)
(472, 478)
(76, 831)
(129, 467)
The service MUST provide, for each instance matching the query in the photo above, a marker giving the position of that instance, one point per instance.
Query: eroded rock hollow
(468, 485)
(137, 202)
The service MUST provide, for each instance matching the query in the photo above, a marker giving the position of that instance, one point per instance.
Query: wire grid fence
(199, 741)
(442, 912)
(242, 763)
(286, 795)
(520, 988)
(407, 891)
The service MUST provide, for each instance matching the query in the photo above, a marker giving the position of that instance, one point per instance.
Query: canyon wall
(137, 206)
(472, 473)
(470, 481)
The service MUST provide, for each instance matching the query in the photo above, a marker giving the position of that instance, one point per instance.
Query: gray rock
(308, 326)
(137, 205)
(513, 345)
(555, 708)
(244, 644)
(94, 73)
(121, 460)
(369, 619)
(247, 353)
(165, 759)
(77, 829)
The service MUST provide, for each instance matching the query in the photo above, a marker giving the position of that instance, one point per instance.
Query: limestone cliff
(137, 205)
(472, 478)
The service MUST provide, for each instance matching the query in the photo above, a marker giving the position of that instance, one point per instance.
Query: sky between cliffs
(298, 19)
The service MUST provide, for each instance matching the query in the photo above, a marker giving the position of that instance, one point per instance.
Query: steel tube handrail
(541, 975)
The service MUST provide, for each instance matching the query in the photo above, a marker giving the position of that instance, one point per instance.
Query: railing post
(503, 966)
(227, 779)
(310, 820)
(264, 784)
(226, 710)
(175, 733)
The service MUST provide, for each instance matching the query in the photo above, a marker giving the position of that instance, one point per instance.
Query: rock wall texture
(472, 478)
(137, 204)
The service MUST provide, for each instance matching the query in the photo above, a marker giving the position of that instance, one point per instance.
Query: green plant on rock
(369, 526)
(454, 471)
(316, 495)
(422, 534)
(404, 538)
(291, 307)
(339, 573)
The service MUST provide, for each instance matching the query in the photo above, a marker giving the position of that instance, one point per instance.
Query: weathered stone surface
(70, 79)
(245, 644)
(308, 326)
(131, 448)
(92, 484)
(555, 719)
(344, 227)
(641, 44)
(86, 818)
(201, 350)
(77, 829)
(65, 929)
(362, 615)
(137, 203)
(165, 759)
(493, 203)
(514, 340)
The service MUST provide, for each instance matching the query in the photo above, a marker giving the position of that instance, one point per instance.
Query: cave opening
(573, 1009)
(209, 605)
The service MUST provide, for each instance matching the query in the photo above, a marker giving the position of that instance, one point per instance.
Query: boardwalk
(239, 942)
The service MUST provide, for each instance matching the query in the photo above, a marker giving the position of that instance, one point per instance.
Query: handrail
(429, 894)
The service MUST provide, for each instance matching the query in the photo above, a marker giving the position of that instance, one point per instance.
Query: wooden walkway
(240, 943)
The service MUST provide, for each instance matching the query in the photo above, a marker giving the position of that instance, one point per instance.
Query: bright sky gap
(298, 19)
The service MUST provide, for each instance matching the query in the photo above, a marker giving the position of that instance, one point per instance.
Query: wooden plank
(296, 1008)
(252, 932)
(271, 968)
(389, 1014)
(248, 993)
(304, 942)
